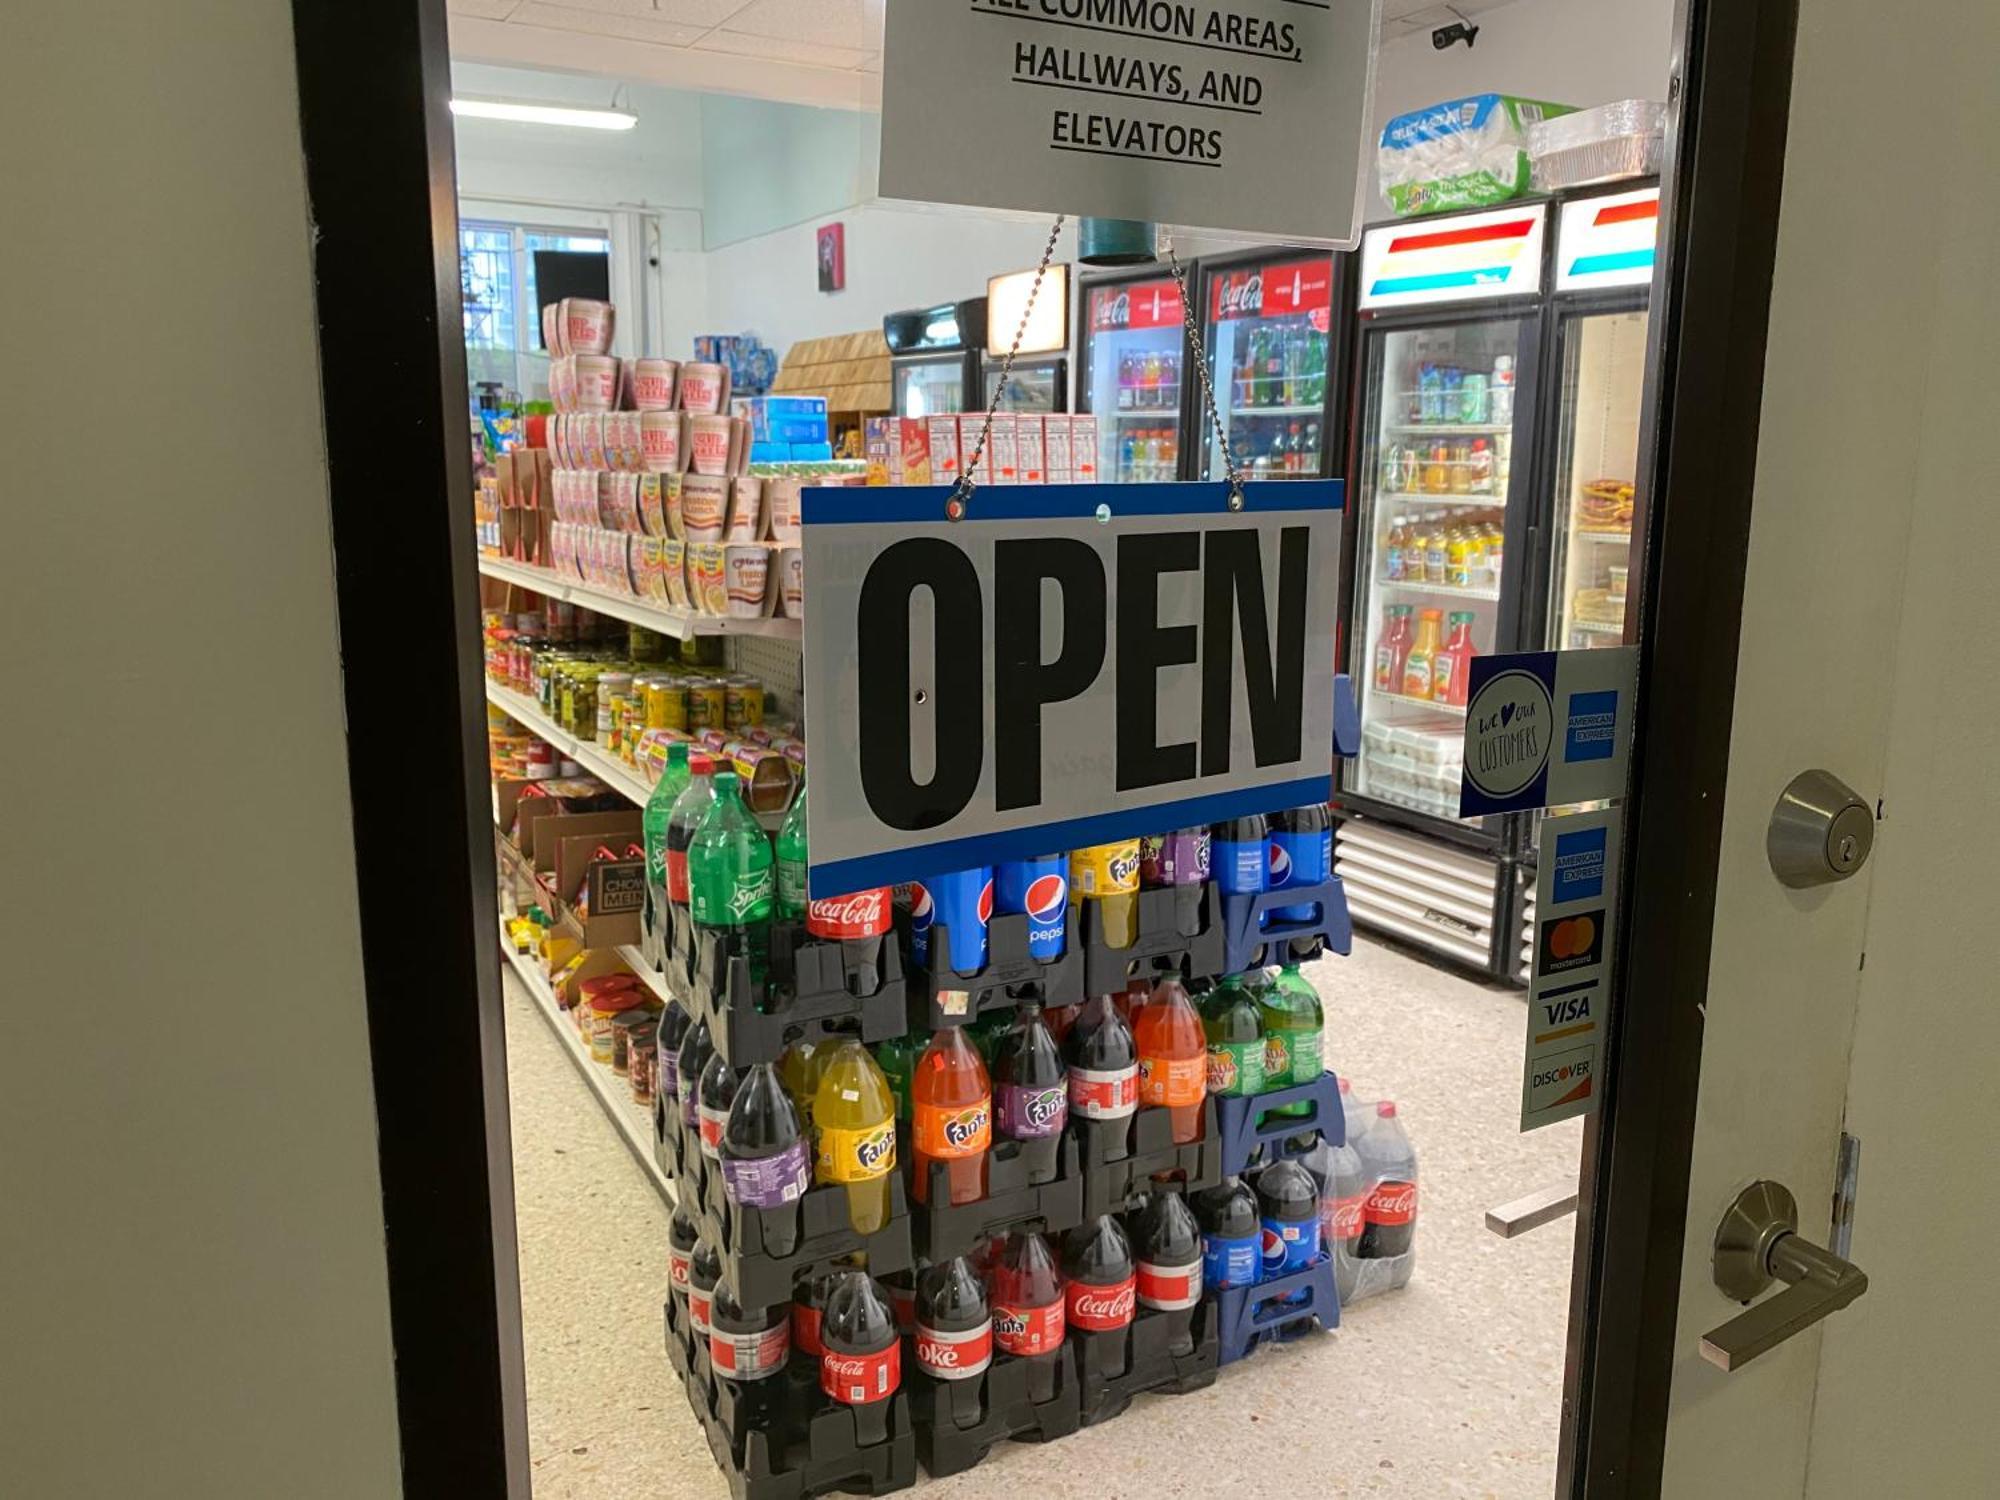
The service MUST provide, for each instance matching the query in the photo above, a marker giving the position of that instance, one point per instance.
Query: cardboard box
(915, 447)
(1083, 448)
(1056, 444)
(563, 853)
(1005, 445)
(883, 445)
(969, 424)
(1034, 454)
(944, 449)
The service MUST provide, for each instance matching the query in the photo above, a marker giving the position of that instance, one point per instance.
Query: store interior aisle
(1451, 1387)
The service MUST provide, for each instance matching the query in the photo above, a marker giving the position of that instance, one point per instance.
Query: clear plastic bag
(1597, 145)
(1464, 153)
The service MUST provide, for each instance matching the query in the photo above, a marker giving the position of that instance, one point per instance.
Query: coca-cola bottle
(861, 1365)
(704, 1271)
(1389, 1218)
(717, 1092)
(746, 1348)
(673, 1030)
(1168, 1274)
(1101, 1293)
(1028, 1317)
(697, 1048)
(682, 1234)
(1343, 1196)
(809, 1296)
(1103, 1075)
(954, 1332)
(857, 921)
(1031, 1094)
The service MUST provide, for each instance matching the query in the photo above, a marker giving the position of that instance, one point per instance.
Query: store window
(503, 328)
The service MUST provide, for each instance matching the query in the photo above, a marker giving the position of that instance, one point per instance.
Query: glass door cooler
(1131, 346)
(1449, 333)
(1269, 336)
(1038, 384)
(935, 357)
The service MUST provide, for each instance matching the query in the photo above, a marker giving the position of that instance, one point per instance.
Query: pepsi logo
(1281, 863)
(986, 902)
(1274, 1247)
(922, 908)
(1043, 900)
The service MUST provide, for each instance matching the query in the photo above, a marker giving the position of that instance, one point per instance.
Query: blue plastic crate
(1346, 718)
(1242, 1134)
(1245, 933)
(1249, 1315)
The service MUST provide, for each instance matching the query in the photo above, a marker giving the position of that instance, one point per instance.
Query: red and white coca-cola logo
(1239, 294)
(954, 1356)
(860, 914)
(1344, 1218)
(1392, 1203)
(677, 1269)
(1102, 1307)
(859, 1378)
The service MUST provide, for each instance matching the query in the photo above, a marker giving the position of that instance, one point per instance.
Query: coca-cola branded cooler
(1275, 328)
(1132, 350)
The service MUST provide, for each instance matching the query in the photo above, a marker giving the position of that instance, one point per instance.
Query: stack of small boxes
(1021, 448)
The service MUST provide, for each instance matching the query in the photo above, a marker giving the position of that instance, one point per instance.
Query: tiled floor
(1451, 1387)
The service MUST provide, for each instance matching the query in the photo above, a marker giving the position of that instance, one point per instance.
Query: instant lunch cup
(704, 507)
(708, 444)
(707, 572)
(653, 505)
(653, 382)
(673, 571)
(791, 565)
(747, 573)
(701, 388)
(746, 509)
(781, 498)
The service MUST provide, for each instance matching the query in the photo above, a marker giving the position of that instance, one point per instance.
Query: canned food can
(666, 703)
(742, 703)
(706, 703)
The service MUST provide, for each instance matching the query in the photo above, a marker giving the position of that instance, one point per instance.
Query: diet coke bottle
(1168, 1276)
(862, 1363)
(747, 1348)
(954, 1334)
(1102, 1292)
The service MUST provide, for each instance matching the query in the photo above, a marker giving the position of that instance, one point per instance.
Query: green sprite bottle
(658, 813)
(731, 884)
(1229, 1021)
(1293, 1032)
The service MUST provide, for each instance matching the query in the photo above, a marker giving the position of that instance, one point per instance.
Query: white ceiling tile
(485, 10)
(781, 49)
(855, 24)
(598, 23)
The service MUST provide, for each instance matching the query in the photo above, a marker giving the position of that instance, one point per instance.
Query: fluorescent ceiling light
(545, 114)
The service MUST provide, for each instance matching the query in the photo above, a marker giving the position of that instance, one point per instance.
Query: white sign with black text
(1070, 665)
(1235, 115)
(1576, 905)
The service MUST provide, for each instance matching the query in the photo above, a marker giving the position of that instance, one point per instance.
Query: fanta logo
(1008, 1323)
(1281, 863)
(877, 1151)
(965, 1128)
(1048, 1107)
(1124, 868)
(1045, 896)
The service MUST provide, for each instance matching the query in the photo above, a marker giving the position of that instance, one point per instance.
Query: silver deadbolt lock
(1821, 831)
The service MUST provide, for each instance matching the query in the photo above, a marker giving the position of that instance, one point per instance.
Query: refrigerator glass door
(1597, 461)
(930, 387)
(1268, 328)
(1134, 336)
(1034, 385)
(1437, 454)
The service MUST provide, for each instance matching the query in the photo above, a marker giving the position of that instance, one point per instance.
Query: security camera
(1458, 31)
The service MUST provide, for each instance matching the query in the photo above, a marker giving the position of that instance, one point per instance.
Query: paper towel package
(1464, 153)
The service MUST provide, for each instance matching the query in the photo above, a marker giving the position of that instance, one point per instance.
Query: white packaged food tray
(1596, 145)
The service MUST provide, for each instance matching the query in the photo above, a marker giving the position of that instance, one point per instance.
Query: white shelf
(1584, 534)
(606, 767)
(1451, 590)
(1277, 411)
(633, 1123)
(678, 623)
(649, 976)
(1451, 429)
(1596, 627)
(1150, 414)
(1480, 500)
(1408, 702)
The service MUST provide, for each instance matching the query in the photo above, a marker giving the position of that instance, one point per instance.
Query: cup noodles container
(707, 578)
(562, 383)
(622, 493)
(1004, 442)
(747, 566)
(596, 382)
(944, 450)
(708, 444)
(791, 566)
(782, 508)
(652, 382)
(673, 571)
(552, 339)
(969, 426)
(586, 325)
(1033, 455)
(704, 507)
(746, 510)
(624, 442)
(701, 388)
(915, 441)
(662, 441)
(652, 504)
(1083, 449)
(587, 430)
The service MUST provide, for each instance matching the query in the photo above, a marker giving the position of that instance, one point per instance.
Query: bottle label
(856, 1155)
(699, 1304)
(1180, 858)
(1104, 1096)
(669, 1068)
(1236, 1068)
(1230, 1262)
(751, 1355)
(858, 1379)
(1028, 1330)
(1105, 869)
(1391, 1202)
(1169, 1288)
(1289, 1246)
(791, 886)
(858, 915)
(711, 1122)
(1100, 1308)
(1305, 858)
(1342, 1218)
(1291, 1057)
(1027, 1111)
(1307, 1060)
(943, 1132)
(734, 901)
(678, 1262)
(1241, 867)
(677, 876)
(954, 1356)
(805, 1330)
(1173, 1081)
(768, 1181)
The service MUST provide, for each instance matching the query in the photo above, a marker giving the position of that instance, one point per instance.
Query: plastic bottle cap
(1386, 1109)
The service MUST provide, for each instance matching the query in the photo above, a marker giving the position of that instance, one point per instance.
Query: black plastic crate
(818, 1447)
(1247, 1316)
(941, 996)
(1253, 942)
(1029, 1400)
(944, 1229)
(1115, 1184)
(765, 1250)
(675, 1148)
(1179, 934)
(808, 992)
(1249, 1129)
(1115, 1366)
(684, 1351)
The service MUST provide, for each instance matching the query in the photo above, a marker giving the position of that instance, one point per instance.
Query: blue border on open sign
(849, 505)
(917, 860)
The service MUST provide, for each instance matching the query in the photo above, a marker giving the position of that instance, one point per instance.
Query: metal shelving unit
(680, 624)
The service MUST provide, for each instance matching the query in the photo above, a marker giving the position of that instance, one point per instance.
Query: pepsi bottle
(1038, 888)
(1241, 855)
(1288, 1207)
(954, 1325)
(1031, 1094)
(1300, 853)
(1167, 1277)
(960, 903)
(1231, 1235)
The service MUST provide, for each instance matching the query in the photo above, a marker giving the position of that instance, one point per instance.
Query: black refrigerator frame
(1080, 348)
(1057, 360)
(972, 379)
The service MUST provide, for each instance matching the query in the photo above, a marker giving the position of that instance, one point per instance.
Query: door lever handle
(1757, 1243)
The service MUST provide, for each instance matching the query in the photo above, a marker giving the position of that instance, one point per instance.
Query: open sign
(1070, 665)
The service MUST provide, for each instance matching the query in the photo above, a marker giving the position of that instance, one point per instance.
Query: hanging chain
(961, 492)
(1233, 474)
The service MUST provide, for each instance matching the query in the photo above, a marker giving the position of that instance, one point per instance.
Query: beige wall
(193, 1298)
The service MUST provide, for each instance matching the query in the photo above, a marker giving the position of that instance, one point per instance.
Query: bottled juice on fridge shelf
(1417, 664)
(1453, 661)
(1437, 470)
(1457, 568)
(1395, 550)
(1437, 552)
(1480, 472)
(1460, 471)
(1391, 647)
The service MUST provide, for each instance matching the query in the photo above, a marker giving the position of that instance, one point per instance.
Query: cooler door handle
(1757, 1243)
